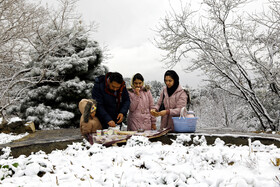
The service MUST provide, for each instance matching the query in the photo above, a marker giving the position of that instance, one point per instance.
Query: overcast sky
(127, 28)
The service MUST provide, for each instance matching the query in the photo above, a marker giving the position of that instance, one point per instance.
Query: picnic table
(123, 136)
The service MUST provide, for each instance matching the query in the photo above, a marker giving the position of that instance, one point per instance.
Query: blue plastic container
(184, 124)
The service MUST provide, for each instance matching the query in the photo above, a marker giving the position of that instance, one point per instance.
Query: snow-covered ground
(142, 163)
(6, 138)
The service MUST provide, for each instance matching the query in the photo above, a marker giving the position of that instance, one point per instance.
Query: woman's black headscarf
(175, 77)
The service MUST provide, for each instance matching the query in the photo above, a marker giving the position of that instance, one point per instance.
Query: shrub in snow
(201, 141)
(137, 141)
(5, 153)
(183, 139)
(219, 142)
(68, 70)
(7, 170)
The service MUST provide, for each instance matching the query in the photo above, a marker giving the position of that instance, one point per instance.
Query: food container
(98, 132)
(190, 114)
(110, 132)
(183, 124)
(105, 131)
(116, 131)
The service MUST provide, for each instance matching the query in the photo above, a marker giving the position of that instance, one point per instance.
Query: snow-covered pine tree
(68, 63)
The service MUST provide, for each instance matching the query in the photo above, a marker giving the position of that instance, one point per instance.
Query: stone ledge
(229, 139)
(45, 140)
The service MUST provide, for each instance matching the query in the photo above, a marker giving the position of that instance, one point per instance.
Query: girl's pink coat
(139, 116)
(175, 103)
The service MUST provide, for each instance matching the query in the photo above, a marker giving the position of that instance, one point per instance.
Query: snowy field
(142, 163)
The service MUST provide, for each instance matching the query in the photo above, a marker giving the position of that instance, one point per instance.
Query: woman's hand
(154, 113)
(162, 113)
(137, 91)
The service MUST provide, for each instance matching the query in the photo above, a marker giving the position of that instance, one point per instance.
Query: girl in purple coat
(172, 99)
(141, 103)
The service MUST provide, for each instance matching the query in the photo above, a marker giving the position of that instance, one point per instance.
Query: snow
(143, 163)
(14, 119)
(6, 138)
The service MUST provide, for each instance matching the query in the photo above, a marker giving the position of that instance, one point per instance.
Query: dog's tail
(87, 111)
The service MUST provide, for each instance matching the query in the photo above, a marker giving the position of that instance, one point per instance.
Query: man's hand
(120, 118)
(154, 127)
(111, 123)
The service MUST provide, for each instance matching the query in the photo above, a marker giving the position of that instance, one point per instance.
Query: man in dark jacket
(112, 99)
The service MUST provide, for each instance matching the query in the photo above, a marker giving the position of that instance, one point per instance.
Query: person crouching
(89, 123)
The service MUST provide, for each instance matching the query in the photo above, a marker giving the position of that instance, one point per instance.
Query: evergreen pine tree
(68, 62)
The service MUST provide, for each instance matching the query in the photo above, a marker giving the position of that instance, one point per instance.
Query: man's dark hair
(117, 77)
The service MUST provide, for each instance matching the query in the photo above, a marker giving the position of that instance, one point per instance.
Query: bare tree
(20, 22)
(237, 50)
